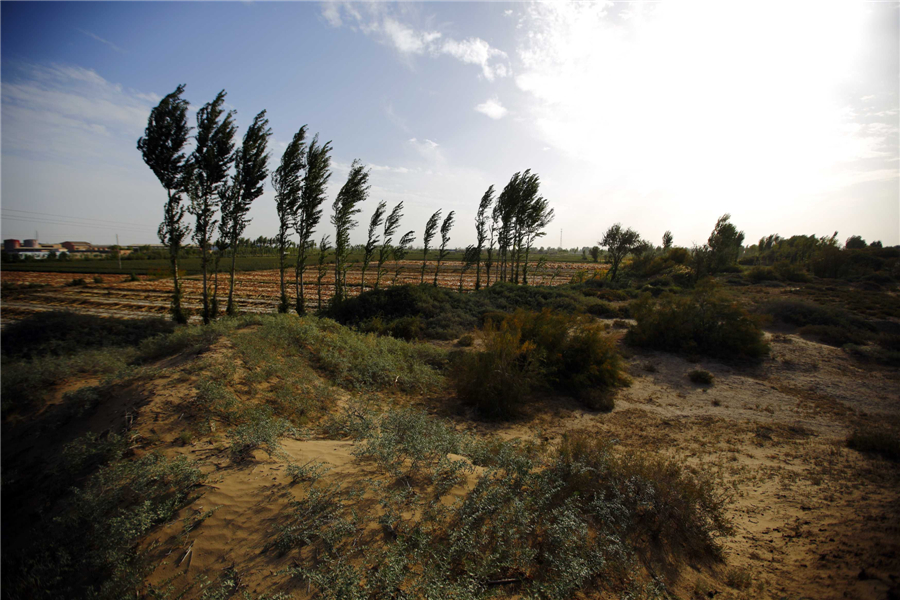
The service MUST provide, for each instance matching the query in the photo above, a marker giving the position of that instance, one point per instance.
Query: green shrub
(496, 380)
(667, 503)
(603, 310)
(788, 271)
(833, 335)
(260, 430)
(707, 322)
(98, 279)
(544, 524)
(881, 441)
(445, 314)
(76, 282)
(466, 341)
(350, 358)
(701, 376)
(532, 349)
(757, 274)
(25, 382)
(407, 328)
(89, 548)
(62, 333)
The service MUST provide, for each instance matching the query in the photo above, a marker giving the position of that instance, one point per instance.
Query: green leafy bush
(62, 333)
(541, 523)
(88, 549)
(445, 314)
(530, 349)
(701, 376)
(25, 382)
(466, 341)
(706, 322)
(881, 441)
(496, 380)
(260, 429)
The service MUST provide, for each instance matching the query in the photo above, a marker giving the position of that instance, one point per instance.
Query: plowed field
(256, 291)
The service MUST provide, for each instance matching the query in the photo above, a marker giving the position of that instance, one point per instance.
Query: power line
(70, 224)
(32, 212)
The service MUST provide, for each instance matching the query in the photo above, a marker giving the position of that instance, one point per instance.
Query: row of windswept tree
(221, 181)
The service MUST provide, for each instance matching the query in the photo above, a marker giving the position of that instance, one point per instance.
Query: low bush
(542, 523)
(444, 314)
(530, 349)
(76, 282)
(466, 341)
(98, 279)
(706, 322)
(88, 549)
(63, 333)
(260, 429)
(831, 325)
(757, 274)
(26, 381)
(884, 442)
(700, 376)
(352, 359)
(496, 380)
(834, 335)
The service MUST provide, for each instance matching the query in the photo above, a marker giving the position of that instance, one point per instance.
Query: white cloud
(69, 112)
(101, 40)
(332, 13)
(476, 51)
(492, 108)
(682, 99)
(409, 41)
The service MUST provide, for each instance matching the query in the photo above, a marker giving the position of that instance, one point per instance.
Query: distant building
(31, 244)
(11, 245)
(76, 246)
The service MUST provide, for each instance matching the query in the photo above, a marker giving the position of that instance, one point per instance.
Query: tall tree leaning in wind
(431, 228)
(162, 147)
(251, 172)
(208, 168)
(309, 213)
(493, 229)
(344, 208)
(372, 241)
(400, 251)
(481, 226)
(324, 247)
(287, 181)
(536, 218)
(446, 226)
(391, 223)
(505, 208)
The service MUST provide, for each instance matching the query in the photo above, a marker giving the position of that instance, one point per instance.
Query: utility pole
(119, 251)
(560, 238)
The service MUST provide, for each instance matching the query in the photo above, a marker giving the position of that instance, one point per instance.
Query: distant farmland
(26, 292)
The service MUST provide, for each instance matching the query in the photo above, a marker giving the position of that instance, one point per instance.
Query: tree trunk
(525, 269)
(478, 271)
(231, 309)
(203, 265)
(283, 304)
(177, 314)
(301, 300)
(298, 282)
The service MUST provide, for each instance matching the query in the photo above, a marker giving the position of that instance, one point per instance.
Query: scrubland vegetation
(441, 510)
(392, 443)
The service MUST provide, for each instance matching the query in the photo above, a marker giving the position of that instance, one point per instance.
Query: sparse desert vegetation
(474, 444)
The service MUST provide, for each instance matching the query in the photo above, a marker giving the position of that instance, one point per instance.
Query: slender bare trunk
(231, 309)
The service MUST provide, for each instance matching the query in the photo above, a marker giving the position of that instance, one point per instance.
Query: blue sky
(658, 115)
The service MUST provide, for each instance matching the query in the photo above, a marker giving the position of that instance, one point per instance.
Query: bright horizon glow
(656, 115)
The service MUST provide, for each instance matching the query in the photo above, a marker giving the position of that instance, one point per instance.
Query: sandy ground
(812, 518)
